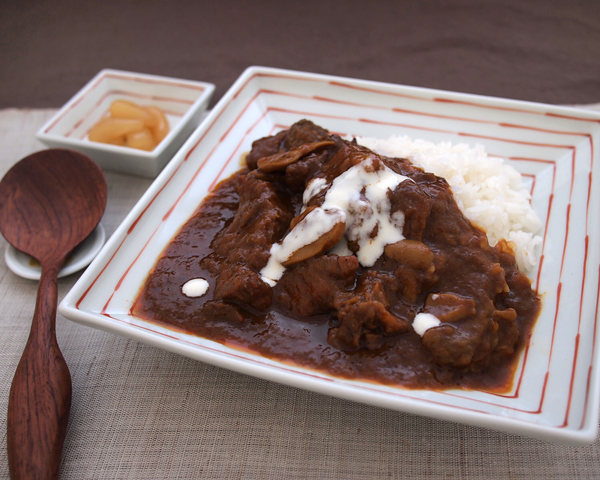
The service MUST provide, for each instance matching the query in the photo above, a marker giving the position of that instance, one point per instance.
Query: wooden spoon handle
(40, 395)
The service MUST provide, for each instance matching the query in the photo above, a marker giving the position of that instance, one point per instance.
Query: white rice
(489, 192)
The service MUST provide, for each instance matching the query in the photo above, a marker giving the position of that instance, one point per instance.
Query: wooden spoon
(49, 203)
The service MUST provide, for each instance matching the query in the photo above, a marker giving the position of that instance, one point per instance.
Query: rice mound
(489, 192)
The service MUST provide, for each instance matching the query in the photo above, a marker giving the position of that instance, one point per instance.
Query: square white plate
(184, 103)
(556, 389)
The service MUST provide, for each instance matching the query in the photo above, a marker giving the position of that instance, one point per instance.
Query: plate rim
(67, 308)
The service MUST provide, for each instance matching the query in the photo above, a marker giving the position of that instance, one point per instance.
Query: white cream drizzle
(318, 222)
(361, 192)
(196, 287)
(425, 321)
(314, 187)
(361, 195)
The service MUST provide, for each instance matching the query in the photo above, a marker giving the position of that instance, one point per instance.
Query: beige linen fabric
(142, 413)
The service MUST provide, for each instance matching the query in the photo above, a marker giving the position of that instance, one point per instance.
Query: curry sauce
(406, 292)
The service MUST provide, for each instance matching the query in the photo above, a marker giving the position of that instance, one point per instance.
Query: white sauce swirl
(196, 287)
(318, 222)
(361, 192)
(360, 197)
(425, 321)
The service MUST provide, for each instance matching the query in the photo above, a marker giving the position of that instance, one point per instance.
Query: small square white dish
(184, 103)
(556, 391)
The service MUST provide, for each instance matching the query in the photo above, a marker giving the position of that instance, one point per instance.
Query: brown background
(546, 51)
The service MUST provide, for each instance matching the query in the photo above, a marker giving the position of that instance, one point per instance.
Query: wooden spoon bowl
(49, 203)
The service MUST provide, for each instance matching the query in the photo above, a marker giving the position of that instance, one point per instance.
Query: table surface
(143, 413)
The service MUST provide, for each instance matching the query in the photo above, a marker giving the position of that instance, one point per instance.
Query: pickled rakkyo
(131, 125)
